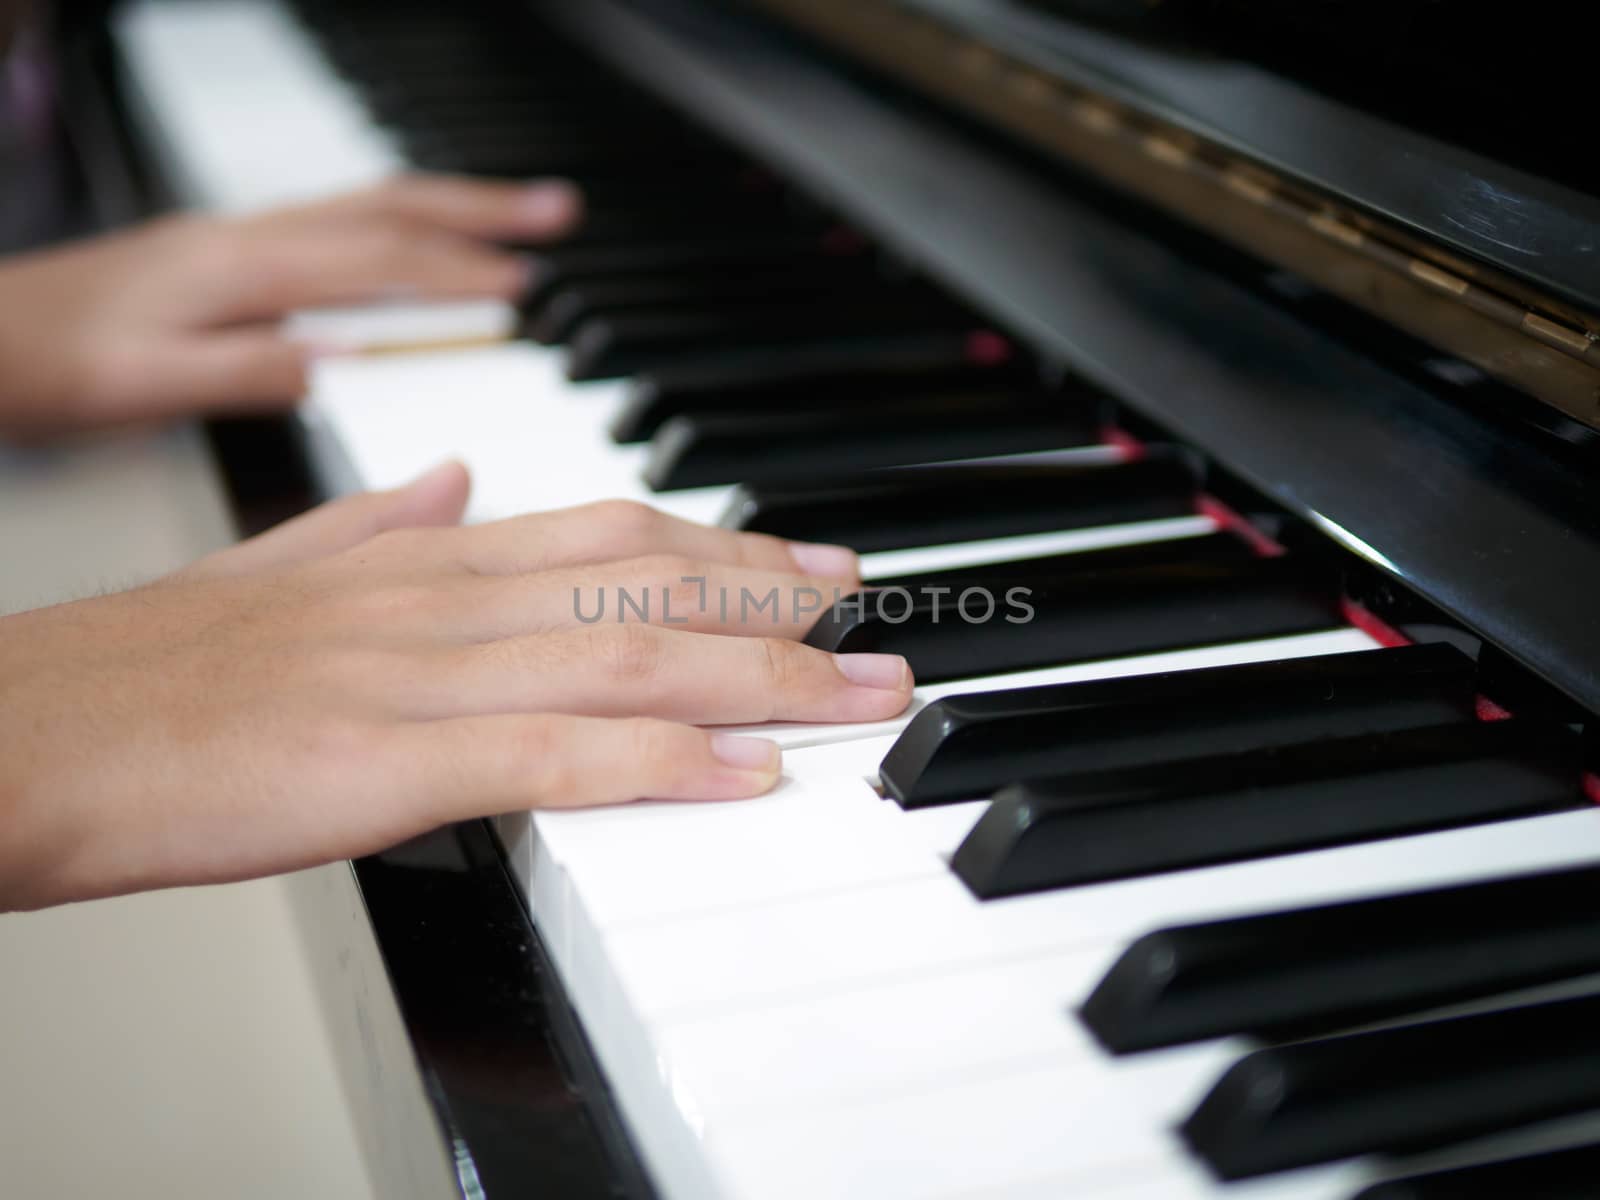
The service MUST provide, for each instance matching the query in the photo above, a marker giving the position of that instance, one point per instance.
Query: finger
(522, 212)
(366, 259)
(669, 591)
(642, 670)
(250, 370)
(482, 766)
(436, 498)
(612, 530)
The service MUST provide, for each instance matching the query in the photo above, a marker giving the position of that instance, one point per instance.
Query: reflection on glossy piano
(1261, 348)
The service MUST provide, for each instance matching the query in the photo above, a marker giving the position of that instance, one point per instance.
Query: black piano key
(509, 129)
(553, 153)
(690, 213)
(579, 163)
(630, 211)
(690, 390)
(1085, 616)
(1316, 970)
(1402, 1088)
(963, 747)
(606, 347)
(403, 94)
(405, 110)
(816, 279)
(699, 451)
(1568, 1174)
(556, 267)
(1098, 826)
(419, 110)
(936, 506)
(1212, 550)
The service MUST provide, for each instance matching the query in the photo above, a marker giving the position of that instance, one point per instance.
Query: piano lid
(1442, 182)
(1234, 74)
(1473, 254)
(1507, 82)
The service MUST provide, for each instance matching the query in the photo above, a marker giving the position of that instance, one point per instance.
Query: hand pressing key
(369, 671)
(181, 316)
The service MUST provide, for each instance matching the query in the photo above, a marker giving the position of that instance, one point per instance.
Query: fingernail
(887, 672)
(832, 562)
(551, 203)
(746, 753)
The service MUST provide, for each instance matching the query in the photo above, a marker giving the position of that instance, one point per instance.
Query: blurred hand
(366, 673)
(181, 315)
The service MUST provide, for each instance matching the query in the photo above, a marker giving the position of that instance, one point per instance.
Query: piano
(1261, 863)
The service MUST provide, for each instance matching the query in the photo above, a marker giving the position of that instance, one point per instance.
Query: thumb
(436, 498)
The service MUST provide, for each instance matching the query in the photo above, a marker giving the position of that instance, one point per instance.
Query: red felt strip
(1488, 710)
(985, 348)
(1374, 627)
(1232, 522)
(1132, 448)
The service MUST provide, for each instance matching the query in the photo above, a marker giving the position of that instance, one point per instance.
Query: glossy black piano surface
(1495, 78)
(504, 1062)
(1466, 497)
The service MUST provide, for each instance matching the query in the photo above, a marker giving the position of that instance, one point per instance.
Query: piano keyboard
(1247, 826)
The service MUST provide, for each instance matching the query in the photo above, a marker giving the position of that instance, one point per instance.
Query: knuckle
(624, 521)
(99, 382)
(628, 654)
(213, 245)
(392, 604)
(540, 752)
(406, 545)
(654, 743)
(782, 662)
(758, 548)
(666, 573)
(398, 187)
(343, 748)
(382, 240)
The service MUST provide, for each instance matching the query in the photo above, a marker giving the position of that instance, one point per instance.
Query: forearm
(38, 840)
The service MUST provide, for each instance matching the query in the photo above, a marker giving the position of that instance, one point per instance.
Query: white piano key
(883, 564)
(250, 114)
(823, 828)
(906, 1032)
(403, 324)
(964, 1134)
(550, 846)
(801, 839)
(1177, 1177)
(533, 440)
(944, 827)
(570, 833)
(1186, 1179)
(676, 968)
(914, 1033)
(926, 1133)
